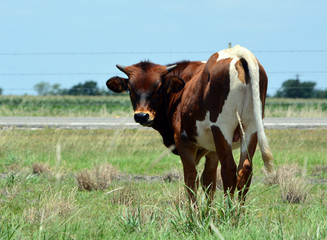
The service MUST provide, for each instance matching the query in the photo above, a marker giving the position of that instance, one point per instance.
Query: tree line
(294, 88)
(88, 88)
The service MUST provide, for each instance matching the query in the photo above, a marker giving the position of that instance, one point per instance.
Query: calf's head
(148, 85)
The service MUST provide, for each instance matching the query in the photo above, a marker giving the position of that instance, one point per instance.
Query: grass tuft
(283, 173)
(96, 179)
(51, 206)
(290, 178)
(226, 211)
(126, 195)
(294, 190)
(139, 219)
(40, 168)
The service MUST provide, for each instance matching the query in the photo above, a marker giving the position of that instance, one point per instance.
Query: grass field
(276, 107)
(105, 106)
(70, 106)
(43, 174)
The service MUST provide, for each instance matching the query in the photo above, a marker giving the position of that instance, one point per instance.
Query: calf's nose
(141, 117)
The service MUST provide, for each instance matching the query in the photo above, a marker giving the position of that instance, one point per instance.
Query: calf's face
(147, 85)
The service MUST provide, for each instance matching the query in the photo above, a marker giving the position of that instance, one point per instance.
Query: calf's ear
(174, 84)
(117, 84)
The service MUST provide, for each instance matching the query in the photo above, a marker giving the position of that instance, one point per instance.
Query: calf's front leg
(188, 153)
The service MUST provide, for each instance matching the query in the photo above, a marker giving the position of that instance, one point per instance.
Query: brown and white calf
(195, 107)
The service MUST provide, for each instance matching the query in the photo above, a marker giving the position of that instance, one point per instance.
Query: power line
(270, 88)
(151, 52)
(291, 51)
(55, 74)
(297, 72)
(99, 53)
(116, 73)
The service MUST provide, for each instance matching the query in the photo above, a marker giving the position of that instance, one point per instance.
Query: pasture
(123, 184)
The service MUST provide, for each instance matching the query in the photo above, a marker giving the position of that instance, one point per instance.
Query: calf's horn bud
(121, 68)
(171, 68)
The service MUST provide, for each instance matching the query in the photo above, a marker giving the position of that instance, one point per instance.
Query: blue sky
(71, 41)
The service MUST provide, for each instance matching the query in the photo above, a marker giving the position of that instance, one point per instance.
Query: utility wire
(151, 52)
(55, 74)
(116, 73)
(28, 89)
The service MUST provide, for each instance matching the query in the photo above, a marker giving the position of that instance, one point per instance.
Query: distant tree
(0, 91)
(42, 88)
(294, 88)
(320, 93)
(89, 88)
(45, 88)
(56, 90)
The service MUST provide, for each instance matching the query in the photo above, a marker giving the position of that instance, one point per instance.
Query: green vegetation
(69, 106)
(294, 88)
(88, 88)
(41, 196)
(286, 107)
(119, 105)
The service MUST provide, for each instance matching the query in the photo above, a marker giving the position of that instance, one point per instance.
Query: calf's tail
(253, 68)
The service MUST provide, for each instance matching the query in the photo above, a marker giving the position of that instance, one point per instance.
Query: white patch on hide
(239, 99)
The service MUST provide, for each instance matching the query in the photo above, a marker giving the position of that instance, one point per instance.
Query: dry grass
(319, 170)
(51, 206)
(294, 190)
(126, 195)
(40, 168)
(284, 172)
(293, 187)
(97, 179)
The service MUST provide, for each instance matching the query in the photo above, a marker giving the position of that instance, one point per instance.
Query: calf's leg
(209, 175)
(225, 155)
(188, 156)
(244, 177)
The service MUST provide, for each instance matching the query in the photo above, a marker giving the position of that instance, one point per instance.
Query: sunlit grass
(40, 195)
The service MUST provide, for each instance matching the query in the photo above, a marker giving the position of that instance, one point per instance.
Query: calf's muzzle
(142, 118)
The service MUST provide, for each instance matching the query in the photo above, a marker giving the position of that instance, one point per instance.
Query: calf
(197, 108)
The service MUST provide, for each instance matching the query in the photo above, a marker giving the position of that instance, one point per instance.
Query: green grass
(119, 105)
(51, 206)
(276, 107)
(72, 106)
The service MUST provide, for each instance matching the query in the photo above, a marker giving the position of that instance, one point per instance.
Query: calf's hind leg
(244, 177)
(225, 155)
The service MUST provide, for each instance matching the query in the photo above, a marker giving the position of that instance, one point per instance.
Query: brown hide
(174, 113)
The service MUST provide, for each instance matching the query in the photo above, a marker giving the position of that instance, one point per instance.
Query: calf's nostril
(141, 117)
